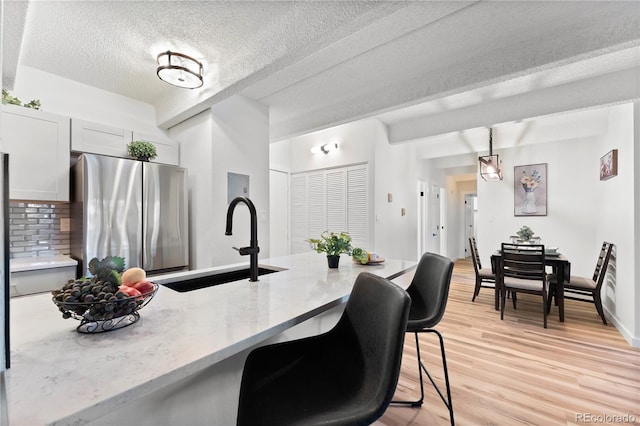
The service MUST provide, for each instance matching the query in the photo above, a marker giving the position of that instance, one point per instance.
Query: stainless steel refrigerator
(132, 209)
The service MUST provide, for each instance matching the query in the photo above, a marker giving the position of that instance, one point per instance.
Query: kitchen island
(182, 362)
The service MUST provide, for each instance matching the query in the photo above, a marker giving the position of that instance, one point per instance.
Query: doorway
(432, 213)
(279, 217)
(470, 213)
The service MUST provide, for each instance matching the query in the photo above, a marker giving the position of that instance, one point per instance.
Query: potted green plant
(525, 233)
(332, 243)
(142, 150)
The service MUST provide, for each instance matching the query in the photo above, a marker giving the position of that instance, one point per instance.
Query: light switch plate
(65, 224)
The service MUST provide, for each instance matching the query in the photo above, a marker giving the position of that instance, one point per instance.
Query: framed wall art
(609, 165)
(530, 190)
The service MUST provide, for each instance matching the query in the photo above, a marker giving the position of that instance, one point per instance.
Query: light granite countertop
(37, 263)
(60, 376)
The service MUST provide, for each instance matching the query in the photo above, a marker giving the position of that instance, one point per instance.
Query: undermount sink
(217, 278)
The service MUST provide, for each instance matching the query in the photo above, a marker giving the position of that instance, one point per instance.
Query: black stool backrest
(346, 376)
(429, 291)
(376, 318)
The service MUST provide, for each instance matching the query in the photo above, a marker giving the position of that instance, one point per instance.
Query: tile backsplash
(34, 229)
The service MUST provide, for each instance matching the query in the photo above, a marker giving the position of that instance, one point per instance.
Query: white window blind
(335, 200)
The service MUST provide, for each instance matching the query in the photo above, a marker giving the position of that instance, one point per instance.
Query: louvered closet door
(336, 180)
(299, 214)
(358, 205)
(316, 204)
(333, 200)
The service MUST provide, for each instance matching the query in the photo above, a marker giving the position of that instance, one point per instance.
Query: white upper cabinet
(168, 152)
(102, 139)
(99, 138)
(38, 147)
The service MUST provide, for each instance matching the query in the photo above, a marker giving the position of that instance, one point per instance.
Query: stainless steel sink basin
(216, 278)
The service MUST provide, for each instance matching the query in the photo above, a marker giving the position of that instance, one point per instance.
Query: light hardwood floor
(516, 372)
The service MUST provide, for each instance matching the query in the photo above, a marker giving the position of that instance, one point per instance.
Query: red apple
(130, 291)
(143, 287)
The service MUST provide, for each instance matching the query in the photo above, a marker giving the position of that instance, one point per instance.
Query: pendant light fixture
(490, 164)
(179, 70)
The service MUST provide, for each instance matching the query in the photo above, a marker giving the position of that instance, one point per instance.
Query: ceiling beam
(601, 90)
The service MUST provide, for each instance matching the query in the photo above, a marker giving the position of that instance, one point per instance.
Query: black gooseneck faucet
(253, 248)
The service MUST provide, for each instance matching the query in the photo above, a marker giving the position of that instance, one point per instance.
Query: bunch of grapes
(93, 299)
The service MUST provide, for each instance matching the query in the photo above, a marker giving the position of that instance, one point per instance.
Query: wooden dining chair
(582, 288)
(483, 275)
(522, 270)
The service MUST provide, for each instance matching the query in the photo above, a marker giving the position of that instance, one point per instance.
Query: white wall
(70, 98)
(280, 156)
(196, 154)
(393, 236)
(582, 210)
(231, 137)
(240, 135)
(356, 145)
(395, 174)
(616, 220)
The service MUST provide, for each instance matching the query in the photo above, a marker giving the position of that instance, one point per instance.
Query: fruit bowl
(96, 316)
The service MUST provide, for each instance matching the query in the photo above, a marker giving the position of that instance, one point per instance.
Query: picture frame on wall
(609, 165)
(530, 190)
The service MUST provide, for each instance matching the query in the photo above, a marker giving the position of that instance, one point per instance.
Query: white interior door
(422, 218)
(470, 203)
(442, 225)
(279, 217)
(434, 219)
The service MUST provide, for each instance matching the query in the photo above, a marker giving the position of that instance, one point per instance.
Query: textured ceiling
(321, 63)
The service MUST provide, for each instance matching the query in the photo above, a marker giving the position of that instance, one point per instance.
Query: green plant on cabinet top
(142, 150)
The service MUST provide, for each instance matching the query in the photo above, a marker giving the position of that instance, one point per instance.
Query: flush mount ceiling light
(179, 70)
(490, 164)
(325, 149)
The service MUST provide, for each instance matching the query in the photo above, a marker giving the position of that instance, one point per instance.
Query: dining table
(559, 264)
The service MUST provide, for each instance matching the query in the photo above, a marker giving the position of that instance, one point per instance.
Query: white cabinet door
(168, 152)
(98, 138)
(38, 147)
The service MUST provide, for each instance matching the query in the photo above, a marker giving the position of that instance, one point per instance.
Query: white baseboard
(634, 341)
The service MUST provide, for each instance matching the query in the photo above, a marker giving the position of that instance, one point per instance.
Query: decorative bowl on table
(551, 251)
(99, 306)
